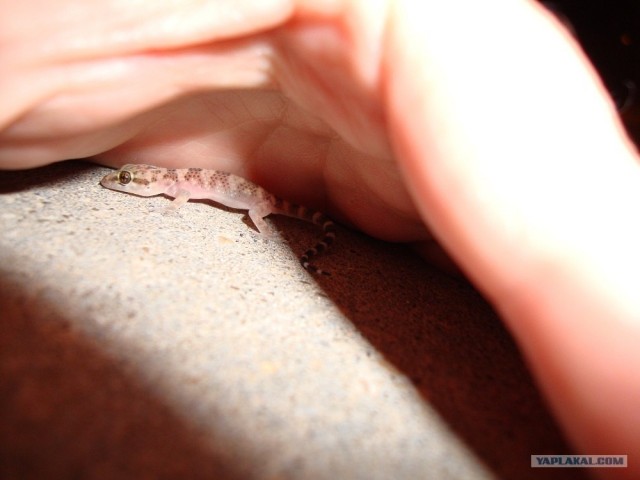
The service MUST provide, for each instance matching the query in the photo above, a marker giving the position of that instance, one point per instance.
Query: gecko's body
(230, 190)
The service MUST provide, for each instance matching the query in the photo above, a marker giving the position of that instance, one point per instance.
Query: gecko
(184, 184)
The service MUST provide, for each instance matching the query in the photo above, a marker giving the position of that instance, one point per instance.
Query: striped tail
(318, 218)
(328, 236)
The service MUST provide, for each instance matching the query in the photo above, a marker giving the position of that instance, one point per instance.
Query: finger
(76, 29)
(84, 66)
(516, 160)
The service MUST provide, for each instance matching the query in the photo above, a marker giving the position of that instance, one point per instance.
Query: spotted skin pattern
(184, 184)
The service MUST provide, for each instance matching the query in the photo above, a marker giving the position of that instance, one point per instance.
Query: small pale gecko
(183, 184)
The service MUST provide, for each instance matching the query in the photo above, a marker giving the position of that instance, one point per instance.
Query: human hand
(486, 112)
(286, 95)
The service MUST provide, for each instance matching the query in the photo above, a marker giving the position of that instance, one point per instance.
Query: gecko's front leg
(181, 197)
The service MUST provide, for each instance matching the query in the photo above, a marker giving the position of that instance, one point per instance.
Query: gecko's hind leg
(257, 214)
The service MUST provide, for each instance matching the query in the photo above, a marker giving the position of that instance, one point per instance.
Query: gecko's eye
(124, 177)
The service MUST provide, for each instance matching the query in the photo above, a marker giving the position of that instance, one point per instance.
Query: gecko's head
(141, 180)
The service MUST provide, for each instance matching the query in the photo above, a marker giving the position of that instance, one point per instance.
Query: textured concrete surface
(137, 345)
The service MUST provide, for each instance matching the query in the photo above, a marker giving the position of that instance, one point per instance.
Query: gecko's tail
(318, 218)
(329, 235)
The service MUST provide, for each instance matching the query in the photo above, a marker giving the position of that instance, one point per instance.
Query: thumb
(517, 161)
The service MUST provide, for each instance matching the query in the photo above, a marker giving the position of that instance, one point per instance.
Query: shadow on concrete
(20, 180)
(68, 410)
(441, 334)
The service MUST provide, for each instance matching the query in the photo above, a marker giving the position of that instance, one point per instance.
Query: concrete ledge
(138, 345)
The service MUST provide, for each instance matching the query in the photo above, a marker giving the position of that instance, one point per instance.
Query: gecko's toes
(270, 235)
(269, 239)
(274, 236)
(166, 211)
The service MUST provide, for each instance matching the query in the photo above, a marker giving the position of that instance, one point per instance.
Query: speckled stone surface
(136, 345)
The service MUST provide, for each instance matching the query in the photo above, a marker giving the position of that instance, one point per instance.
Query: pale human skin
(490, 127)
